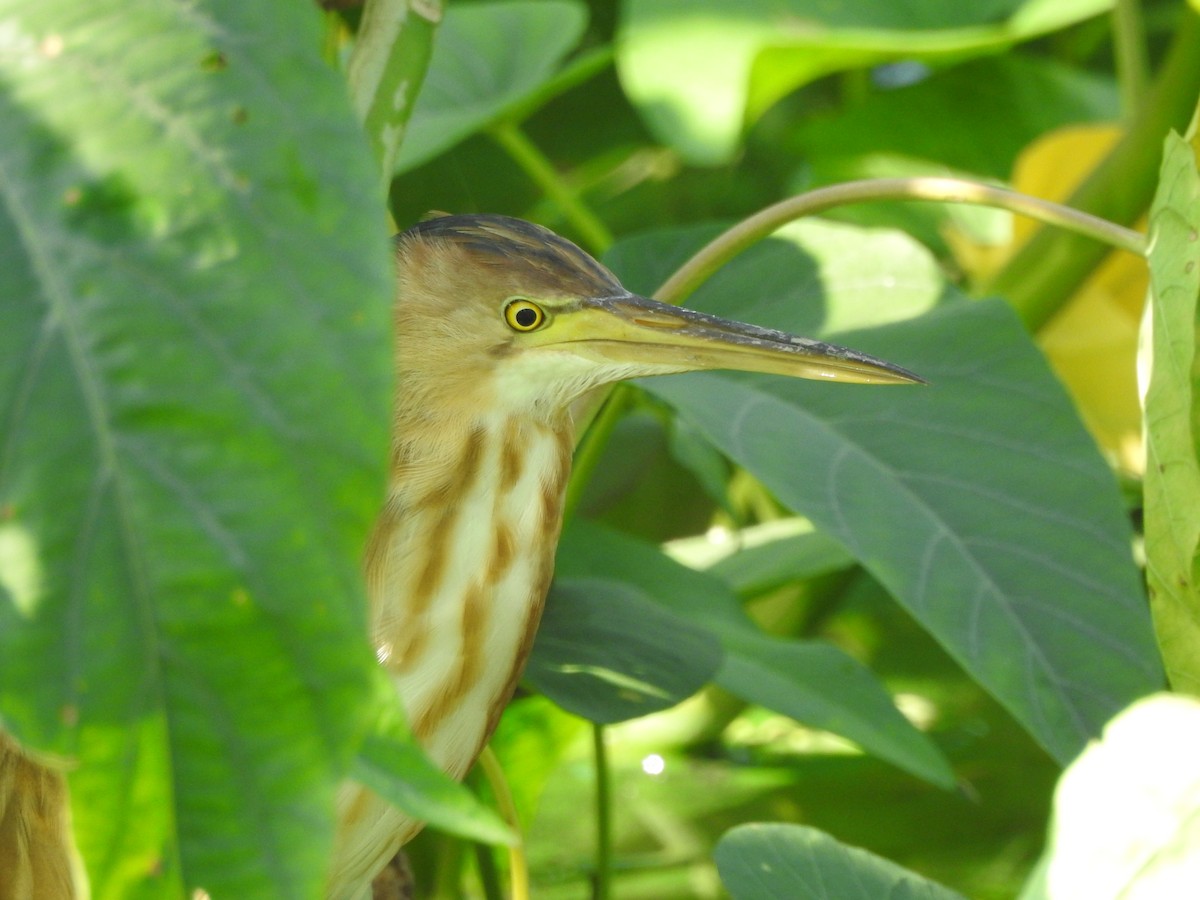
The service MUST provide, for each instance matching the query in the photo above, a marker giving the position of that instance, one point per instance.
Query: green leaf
(816, 683)
(812, 682)
(488, 59)
(395, 768)
(1172, 414)
(1127, 813)
(812, 275)
(766, 862)
(1001, 104)
(1002, 533)
(699, 72)
(194, 381)
(606, 652)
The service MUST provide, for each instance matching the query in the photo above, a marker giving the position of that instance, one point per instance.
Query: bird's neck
(459, 566)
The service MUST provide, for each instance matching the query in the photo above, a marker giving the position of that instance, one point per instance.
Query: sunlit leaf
(756, 51)
(487, 58)
(1172, 411)
(812, 275)
(1126, 818)
(184, 261)
(766, 862)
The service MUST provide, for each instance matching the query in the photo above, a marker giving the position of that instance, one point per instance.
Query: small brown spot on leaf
(214, 61)
(239, 115)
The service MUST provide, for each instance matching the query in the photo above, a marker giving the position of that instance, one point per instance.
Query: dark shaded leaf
(608, 653)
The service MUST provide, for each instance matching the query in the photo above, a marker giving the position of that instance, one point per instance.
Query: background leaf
(759, 862)
(487, 59)
(756, 51)
(184, 488)
(816, 276)
(810, 681)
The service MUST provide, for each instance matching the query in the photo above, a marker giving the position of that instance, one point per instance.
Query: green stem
(518, 865)
(749, 231)
(387, 66)
(1049, 269)
(526, 154)
(1129, 48)
(601, 885)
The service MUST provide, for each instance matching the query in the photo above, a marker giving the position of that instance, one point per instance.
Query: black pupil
(526, 317)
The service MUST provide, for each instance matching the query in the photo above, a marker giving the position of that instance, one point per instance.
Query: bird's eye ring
(521, 315)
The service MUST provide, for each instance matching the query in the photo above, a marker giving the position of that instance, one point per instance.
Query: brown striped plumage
(462, 555)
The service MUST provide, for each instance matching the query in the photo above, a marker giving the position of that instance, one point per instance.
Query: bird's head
(497, 313)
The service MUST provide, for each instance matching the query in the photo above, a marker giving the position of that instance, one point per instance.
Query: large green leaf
(488, 58)
(699, 71)
(813, 682)
(1172, 415)
(194, 291)
(1127, 812)
(1002, 532)
(766, 862)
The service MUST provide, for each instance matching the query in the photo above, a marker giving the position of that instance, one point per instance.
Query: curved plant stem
(600, 879)
(749, 231)
(518, 865)
(526, 154)
(1052, 264)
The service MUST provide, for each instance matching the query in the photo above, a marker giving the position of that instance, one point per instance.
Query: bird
(500, 326)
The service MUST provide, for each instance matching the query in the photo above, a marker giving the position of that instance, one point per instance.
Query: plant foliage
(837, 611)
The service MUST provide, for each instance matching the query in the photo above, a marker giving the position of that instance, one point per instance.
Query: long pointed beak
(654, 338)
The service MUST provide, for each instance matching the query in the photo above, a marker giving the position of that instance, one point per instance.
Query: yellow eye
(521, 315)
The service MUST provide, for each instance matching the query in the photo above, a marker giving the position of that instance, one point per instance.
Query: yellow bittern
(500, 326)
